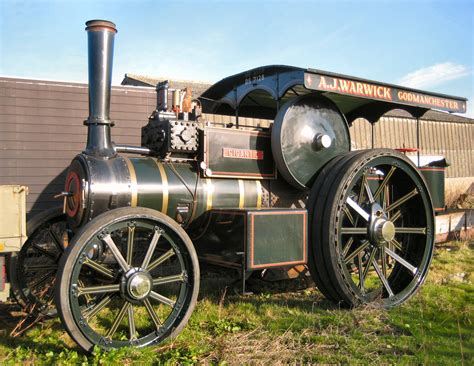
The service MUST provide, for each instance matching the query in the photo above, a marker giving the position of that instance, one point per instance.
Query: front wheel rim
(123, 305)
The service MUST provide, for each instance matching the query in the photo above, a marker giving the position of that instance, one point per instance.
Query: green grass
(434, 327)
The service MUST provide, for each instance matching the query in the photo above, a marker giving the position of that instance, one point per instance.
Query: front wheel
(372, 229)
(130, 278)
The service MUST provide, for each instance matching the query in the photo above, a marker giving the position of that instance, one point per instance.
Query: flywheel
(307, 133)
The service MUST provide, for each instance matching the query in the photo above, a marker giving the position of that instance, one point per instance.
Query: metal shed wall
(453, 140)
(41, 130)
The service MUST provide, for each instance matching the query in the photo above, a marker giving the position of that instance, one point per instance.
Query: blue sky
(423, 44)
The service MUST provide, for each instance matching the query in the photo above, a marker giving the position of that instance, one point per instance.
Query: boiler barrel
(171, 187)
(176, 189)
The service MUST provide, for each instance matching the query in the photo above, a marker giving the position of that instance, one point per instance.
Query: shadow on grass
(218, 284)
(42, 347)
(11, 315)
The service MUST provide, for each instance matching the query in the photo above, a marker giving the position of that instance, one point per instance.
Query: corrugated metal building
(41, 131)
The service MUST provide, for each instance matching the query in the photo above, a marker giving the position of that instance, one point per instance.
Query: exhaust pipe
(101, 35)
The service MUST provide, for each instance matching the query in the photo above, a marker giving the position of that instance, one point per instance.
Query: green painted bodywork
(276, 238)
(254, 239)
(188, 193)
(219, 140)
(149, 183)
(434, 178)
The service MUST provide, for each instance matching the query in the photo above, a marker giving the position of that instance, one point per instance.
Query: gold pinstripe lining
(164, 182)
(210, 191)
(133, 182)
(241, 193)
(259, 194)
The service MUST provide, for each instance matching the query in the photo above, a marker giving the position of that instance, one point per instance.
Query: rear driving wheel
(375, 230)
(33, 269)
(131, 278)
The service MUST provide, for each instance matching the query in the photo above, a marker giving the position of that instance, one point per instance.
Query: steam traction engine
(245, 198)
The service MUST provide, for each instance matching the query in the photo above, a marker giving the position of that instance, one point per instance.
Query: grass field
(434, 327)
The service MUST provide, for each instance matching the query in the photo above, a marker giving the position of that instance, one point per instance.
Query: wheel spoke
(402, 261)
(41, 267)
(357, 208)
(367, 267)
(169, 279)
(349, 215)
(396, 244)
(88, 296)
(56, 240)
(383, 259)
(98, 289)
(384, 182)
(362, 188)
(131, 237)
(347, 246)
(118, 319)
(364, 245)
(98, 267)
(131, 323)
(161, 259)
(386, 197)
(116, 252)
(402, 200)
(89, 314)
(161, 298)
(44, 252)
(40, 281)
(354, 230)
(410, 230)
(368, 191)
(395, 216)
(382, 278)
(151, 248)
(361, 278)
(152, 313)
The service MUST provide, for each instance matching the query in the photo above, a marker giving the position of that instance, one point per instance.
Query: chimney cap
(98, 24)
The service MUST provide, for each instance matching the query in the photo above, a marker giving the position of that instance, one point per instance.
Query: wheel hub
(384, 230)
(136, 284)
(381, 229)
(139, 286)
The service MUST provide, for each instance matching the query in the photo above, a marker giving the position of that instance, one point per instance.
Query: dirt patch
(260, 347)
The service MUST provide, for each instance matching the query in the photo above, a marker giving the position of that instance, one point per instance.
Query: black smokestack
(101, 35)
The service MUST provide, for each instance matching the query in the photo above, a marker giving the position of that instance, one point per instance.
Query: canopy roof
(260, 92)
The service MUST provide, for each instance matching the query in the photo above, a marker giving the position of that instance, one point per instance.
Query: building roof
(432, 115)
(198, 87)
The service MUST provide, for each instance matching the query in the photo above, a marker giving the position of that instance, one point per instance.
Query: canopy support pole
(373, 134)
(418, 139)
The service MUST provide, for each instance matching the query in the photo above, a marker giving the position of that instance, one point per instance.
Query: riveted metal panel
(276, 238)
(238, 154)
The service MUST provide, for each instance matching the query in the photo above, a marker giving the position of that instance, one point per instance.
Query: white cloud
(434, 75)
